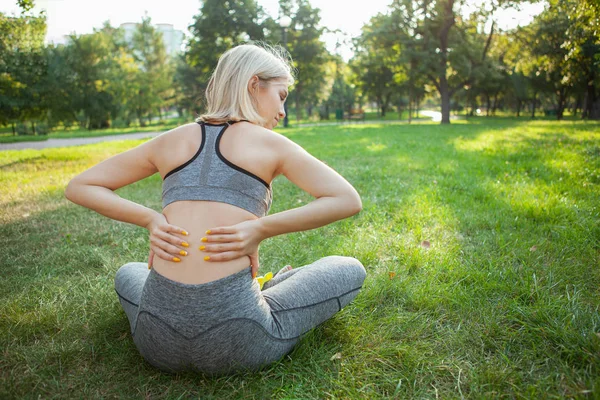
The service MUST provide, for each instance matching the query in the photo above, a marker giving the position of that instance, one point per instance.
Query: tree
(308, 53)
(22, 68)
(376, 62)
(583, 51)
(153, 77)
(25, 5)
(219, 26)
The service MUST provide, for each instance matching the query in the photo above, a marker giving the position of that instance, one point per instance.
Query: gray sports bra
(208, 175)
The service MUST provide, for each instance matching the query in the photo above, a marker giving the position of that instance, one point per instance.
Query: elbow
(71, 191)
(355, 204)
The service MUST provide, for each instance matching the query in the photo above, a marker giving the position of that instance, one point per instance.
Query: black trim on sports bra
(232, 165)
(188, 162)
(230, 122)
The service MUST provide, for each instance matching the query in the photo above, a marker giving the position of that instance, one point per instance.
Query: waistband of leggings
(229, 280)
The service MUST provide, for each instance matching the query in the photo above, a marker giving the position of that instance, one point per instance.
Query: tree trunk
(533, 106)
(33, 128)
(562, 96)
(298, 109)
(14, 130)
(410, 103)
(444, 33)
(140, 118)
(495, 104)
(590, 109)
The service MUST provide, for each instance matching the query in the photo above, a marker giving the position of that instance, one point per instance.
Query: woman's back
(185, 161)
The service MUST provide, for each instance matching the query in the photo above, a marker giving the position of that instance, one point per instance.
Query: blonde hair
(227, 94)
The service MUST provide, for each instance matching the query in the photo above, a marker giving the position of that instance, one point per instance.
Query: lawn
(481, 242)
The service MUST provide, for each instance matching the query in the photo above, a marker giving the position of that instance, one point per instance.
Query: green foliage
(303, 41)
(22, 67)
(217, 27)
(378, 75)
(153, 77)
(25, 5)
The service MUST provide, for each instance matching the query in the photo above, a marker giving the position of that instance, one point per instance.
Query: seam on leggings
(129, 301)
(337, 298)
(214, 327)
(317, 303)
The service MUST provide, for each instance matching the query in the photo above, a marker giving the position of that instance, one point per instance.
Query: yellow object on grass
(264, 279)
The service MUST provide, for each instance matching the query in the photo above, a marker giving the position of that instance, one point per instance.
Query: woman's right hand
(165, 241)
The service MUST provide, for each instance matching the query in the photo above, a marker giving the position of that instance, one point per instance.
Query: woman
(199, 306)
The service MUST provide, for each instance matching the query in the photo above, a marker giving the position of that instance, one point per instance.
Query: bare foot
(284, 269)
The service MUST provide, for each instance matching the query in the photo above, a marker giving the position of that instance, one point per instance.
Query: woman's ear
(253, 84)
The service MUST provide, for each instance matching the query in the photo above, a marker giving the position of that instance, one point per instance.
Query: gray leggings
(230, 324)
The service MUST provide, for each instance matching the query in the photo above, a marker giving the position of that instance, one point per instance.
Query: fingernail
(184, 233)
(254, 275)
(206, 258)
(176, 259)
(149, 267)
(208, 232)
(202, 247)
(183, 253)
(204, 239)
(185, 244)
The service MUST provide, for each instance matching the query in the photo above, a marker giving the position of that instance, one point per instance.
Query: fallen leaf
(392, 274)
(336, 356)
(533, 248)
(425, 244)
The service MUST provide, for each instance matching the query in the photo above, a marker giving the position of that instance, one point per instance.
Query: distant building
(172, 38)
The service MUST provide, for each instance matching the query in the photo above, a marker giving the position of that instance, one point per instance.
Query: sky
(82, 16)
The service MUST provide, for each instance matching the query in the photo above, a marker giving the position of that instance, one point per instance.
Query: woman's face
(270, 98)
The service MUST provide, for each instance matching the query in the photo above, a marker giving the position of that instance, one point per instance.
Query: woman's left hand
(231, 242)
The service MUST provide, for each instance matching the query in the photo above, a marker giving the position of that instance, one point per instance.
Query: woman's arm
(94, 189)
(335, 198)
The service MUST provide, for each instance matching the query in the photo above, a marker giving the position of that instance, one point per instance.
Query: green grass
(504, 303)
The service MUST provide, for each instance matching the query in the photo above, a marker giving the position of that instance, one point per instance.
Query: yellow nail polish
(185, 244)
(208, 232)
(184, 233)
(149, 267)
(202, 247)
(204, 239)
(183, 253)
(206, 258)
(176, 259)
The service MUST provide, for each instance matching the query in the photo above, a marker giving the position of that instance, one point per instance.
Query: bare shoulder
(272, 139)
(182, 132)
(174, 147)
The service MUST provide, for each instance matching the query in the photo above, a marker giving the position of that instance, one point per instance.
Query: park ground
(481, 241)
